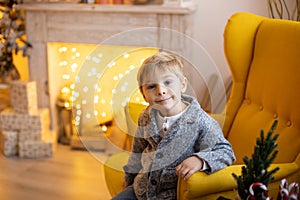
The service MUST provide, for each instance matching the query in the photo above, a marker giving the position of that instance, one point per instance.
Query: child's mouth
(162, 100)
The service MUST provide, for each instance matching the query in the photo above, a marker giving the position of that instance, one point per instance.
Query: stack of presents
(24, 127)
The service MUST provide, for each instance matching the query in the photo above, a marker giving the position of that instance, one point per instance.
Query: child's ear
(184, 85)
(141, 91)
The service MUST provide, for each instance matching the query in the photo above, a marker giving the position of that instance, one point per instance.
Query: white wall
(210, 20)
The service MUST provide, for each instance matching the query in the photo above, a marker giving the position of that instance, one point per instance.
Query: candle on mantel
(118, 1)
(102, 1)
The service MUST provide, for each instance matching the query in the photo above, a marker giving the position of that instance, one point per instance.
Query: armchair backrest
(264, 58)
(132, 113)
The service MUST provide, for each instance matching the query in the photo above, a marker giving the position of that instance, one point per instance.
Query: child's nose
(161, 90)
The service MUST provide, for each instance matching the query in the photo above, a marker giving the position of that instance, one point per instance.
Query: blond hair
(161, 60)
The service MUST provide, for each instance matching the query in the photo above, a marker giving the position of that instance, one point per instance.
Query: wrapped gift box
(30, 135)
(38, 149)
(10, 120)
(35, 149)
(37, 120)
(23, 97)
(9, 143)
(25, 127)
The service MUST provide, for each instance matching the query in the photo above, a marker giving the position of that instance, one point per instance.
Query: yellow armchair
(263, 56)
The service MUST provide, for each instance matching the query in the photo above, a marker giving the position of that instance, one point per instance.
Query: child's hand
(188, 167)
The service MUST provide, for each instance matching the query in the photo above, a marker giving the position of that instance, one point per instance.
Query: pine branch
(256, 168)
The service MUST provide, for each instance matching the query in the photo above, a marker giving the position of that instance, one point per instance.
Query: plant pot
(8, 76)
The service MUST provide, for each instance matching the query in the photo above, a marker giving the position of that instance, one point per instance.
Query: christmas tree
(255, 176)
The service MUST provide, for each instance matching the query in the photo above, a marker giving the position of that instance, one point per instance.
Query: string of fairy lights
(98, 81)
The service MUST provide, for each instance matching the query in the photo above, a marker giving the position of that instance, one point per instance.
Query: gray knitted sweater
(151, 165)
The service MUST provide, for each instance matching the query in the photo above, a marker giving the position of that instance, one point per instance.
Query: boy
(175, 137)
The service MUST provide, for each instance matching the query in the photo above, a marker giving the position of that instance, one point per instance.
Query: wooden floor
(68, 175)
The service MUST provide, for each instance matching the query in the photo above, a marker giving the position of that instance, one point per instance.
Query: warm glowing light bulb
(126, 55)
(75, 94)
(65, 90)
(111, 64)
(98, 75)
(77, 118)
(98, 89)
(85, 89)
(96, 99)
(66, 76)
(131, 67)
(72, 98)
(63, 63)
(74, 67)
(96, 60)
(104, 128)
(62, 49)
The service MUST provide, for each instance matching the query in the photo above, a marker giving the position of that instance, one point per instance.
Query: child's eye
(168, 82)
(150, 87)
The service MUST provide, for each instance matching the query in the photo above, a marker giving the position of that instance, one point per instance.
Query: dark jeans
(126, 194)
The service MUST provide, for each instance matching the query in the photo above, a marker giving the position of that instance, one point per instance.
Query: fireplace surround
(91, 24)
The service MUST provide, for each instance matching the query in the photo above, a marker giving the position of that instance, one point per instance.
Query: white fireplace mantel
(90, 24)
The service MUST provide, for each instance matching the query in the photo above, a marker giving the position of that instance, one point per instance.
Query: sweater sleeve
(214, 149)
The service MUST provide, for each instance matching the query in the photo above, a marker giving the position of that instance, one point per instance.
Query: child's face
(162, 89)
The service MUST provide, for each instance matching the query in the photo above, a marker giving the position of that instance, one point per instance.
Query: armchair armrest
(113, 172)
(201, 184)
(221, 183)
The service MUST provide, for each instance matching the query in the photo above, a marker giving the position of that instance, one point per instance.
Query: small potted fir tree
(256, 176)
